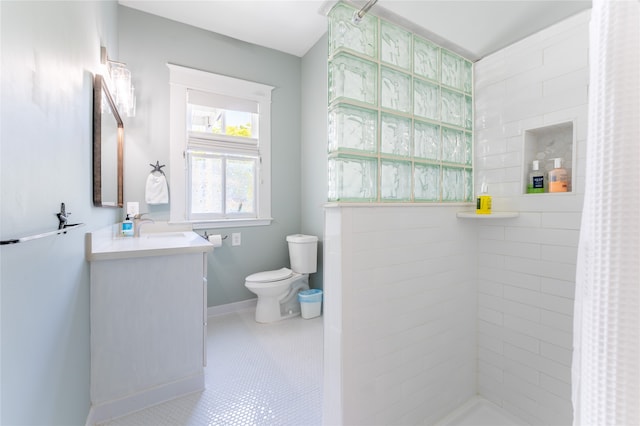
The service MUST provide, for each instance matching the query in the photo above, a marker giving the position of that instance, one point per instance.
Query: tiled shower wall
(423, 310)
(400, 314)
(526, 265)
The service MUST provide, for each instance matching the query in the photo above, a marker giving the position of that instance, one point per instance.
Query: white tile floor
(480, 412)
(256, 374)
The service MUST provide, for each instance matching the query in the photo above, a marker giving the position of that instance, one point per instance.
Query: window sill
(230, 223)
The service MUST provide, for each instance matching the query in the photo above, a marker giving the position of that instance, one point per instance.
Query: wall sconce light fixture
(119, 81)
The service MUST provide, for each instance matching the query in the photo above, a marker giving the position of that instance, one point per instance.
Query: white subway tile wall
(526, 266)
(400, 314)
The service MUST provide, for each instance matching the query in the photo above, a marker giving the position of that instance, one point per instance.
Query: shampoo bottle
(535, 184)
(483, 203)
(558, 177)
(127, 227)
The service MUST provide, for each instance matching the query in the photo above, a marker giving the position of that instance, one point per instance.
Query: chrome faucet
(138, 221)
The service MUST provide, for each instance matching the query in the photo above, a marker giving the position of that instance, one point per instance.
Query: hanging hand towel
(156, 191)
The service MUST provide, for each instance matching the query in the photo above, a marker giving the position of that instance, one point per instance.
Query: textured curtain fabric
(606, 357)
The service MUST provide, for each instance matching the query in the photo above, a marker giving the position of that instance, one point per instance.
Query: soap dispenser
(127, 227)
(558, 177)
(535, 184)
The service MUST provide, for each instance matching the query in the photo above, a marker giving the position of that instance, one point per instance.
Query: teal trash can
(310, 303)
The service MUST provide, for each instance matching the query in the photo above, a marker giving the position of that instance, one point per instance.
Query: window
(220, 138)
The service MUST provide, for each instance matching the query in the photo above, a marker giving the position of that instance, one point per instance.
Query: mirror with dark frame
(108, 141)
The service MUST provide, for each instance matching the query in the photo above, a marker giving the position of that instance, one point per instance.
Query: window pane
(240, 185)
(237, 123)
(221, 121)
(206, 184)
(205, 119)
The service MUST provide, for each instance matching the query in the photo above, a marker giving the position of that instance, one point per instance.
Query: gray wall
(147, 43)
(49, 52)
(314, 146)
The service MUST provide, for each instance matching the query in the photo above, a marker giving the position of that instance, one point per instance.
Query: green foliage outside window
(243, 130)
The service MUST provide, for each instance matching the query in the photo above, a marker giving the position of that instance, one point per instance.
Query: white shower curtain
(606, 358)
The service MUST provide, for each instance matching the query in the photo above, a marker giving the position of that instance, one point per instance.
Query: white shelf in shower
(492, 215)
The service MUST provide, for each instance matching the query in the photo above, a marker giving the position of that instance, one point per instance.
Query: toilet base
(265, 312)
(272, 309)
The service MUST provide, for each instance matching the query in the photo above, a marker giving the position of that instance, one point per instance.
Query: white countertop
(104, 244)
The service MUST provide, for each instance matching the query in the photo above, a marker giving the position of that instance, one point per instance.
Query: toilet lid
(270, 276)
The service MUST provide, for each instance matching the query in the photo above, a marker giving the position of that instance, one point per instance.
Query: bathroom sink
(168, 238)
(170, 235)
(102, 246)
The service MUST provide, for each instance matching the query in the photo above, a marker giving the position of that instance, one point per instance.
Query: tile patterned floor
(256, 374)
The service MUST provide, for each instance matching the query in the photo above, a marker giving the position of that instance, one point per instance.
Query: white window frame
(181, 79)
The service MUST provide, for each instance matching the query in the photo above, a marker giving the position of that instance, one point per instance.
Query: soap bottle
(483, 203)
(535, 184)
(127, 227)
(558, 177)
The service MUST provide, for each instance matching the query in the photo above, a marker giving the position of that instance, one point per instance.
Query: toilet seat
(270, 276)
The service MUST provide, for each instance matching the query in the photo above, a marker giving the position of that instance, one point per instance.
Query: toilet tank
(303, 253)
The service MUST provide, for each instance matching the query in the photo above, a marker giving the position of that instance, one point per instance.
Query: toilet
(277, 290)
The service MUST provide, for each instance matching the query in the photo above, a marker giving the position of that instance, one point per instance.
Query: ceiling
(472, 28)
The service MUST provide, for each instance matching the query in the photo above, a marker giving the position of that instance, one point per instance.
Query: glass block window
(395, 45)
(400, 115)
(353, 178)
(344, 35)
(353, 129)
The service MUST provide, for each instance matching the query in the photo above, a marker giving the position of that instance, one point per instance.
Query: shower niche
(545, 144)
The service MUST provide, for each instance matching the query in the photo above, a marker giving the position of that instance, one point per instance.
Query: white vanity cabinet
(148, 310)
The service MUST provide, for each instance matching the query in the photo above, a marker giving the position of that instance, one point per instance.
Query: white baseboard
(106, 411)
(243, 305)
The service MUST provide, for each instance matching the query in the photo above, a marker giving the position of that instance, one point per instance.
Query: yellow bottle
(483, 204)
